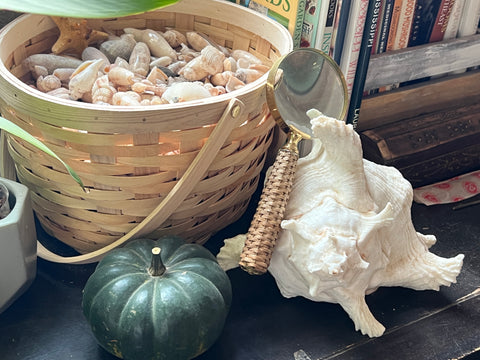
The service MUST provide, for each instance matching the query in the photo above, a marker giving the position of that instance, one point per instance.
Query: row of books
(351, 30)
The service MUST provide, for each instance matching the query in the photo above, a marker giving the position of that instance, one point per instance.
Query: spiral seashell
(102, 91)
(48, 83)
(209, 62)
(140, 59)
(127, 98)
(174, 37)
(156, 43)
(221, 79)
(140, 87)
(213, 59)
(185, 91)
(119, 47)
(121, 76)
(83, 78)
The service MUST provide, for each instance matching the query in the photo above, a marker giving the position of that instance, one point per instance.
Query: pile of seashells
(145, 67)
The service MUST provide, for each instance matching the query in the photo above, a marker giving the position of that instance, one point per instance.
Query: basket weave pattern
(130, 159)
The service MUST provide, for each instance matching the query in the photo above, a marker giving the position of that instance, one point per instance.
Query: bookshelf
(416, 63)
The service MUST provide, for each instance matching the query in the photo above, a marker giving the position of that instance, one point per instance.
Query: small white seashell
(127, 98)
(209, 62)
(156, 43)
(221, 79)
(140, 59)
(185, 91)
(245, 55)
(157, 75)
(196, 41)
(83, 77)
(102, 91)
(174, 37)
(121, 76)
(161, 61)
(48, 83)
(248, 75)
(233, 84)
(62, 93)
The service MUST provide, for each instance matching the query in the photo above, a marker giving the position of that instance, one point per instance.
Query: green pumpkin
(167, 303)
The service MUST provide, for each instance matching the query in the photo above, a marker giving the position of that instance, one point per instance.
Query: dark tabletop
(46, 322)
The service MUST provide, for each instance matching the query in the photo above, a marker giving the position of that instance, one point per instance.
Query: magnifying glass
(301, 80)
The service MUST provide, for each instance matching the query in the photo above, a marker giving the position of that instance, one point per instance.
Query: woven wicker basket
(130, 158)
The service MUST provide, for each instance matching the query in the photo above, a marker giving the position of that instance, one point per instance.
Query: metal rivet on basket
(235, 111)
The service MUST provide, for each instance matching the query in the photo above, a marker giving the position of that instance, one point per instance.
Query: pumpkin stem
(156, 267)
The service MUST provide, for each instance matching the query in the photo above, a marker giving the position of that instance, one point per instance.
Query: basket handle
(194, 173)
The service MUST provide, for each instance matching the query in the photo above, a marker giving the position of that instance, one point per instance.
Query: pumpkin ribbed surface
(176, 315)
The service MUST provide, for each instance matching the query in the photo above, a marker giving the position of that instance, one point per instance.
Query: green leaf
(19, 132)
(84, 8)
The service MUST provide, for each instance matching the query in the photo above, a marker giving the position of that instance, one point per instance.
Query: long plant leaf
(84, 8)
(16, 130)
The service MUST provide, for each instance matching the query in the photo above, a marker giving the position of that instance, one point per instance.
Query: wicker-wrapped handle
(265, 226)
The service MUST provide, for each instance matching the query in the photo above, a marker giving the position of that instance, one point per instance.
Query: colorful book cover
(325, 40)
(289, 13)
(423, 20)
(311, 22)
(441, 21)
(369, 33)
(353, 41)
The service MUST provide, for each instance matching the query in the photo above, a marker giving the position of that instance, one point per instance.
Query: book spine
(326, 22)
(297, 22)
(369, 32)
(392, 33)
(454, 20)
(424, 19)
(385, 27)
(325, 35)
(470, 17)
(340, 29)
(441, 20)
(353, 41)
(311, 22)
(404, 24)
(289, 13)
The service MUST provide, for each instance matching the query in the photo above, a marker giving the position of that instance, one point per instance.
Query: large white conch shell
(348, 230)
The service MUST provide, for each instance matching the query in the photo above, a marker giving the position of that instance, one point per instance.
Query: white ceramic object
(18, 245)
